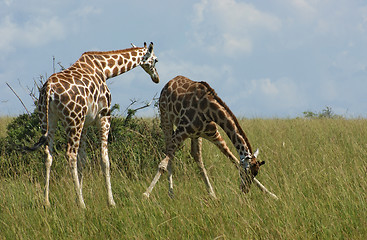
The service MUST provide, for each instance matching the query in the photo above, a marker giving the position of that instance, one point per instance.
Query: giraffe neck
(224, 117)
(111, 64)
(229, 123)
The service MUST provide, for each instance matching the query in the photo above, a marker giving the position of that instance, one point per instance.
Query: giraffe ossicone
(197, 111)
(79, 97)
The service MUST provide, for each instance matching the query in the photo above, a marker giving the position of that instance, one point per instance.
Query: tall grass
(317, 167)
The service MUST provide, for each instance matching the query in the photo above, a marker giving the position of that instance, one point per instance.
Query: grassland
(317, 167)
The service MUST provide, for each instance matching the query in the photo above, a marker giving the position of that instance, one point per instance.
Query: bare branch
(18, 98)
(131, 112)
(62, 67)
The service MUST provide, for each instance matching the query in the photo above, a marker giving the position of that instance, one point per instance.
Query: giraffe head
(249, 168)
(148, 63)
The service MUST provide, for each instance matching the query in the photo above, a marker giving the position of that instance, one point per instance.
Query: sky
(265, 59)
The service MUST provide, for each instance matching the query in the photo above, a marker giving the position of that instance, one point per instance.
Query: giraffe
(196, 111)
(79, 97)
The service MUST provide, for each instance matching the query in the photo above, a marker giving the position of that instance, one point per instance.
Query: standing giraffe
(195, 109)
(79, 97)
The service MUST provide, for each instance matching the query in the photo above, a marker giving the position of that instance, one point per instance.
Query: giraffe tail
(37, 145)
(43, 139)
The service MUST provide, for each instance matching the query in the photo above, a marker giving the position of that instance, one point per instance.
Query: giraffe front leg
(105, 163)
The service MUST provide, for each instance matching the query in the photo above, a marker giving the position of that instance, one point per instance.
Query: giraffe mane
(224, 105)
(111, 52)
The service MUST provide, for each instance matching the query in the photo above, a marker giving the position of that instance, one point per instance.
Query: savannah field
(317, 167)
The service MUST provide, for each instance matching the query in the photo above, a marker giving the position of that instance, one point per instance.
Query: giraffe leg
(167, 128)
(105, 163)
(177, 139)
(48, 160)
(215, 137)
(161, 168)
(170, 179)
(81, 159)
(48, 164)
(71, 154)
(74, 173)
(196, 144)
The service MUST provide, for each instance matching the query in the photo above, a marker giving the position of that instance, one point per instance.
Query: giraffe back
(191, 104)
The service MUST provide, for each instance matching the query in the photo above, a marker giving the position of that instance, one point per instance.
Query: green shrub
(134, 145)
(325, 113)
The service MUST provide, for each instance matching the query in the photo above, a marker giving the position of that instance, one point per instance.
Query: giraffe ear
(132, 44)
(256, 153)
(150, 49)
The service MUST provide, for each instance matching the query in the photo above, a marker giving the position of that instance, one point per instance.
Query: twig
(32, 94)
(62, 67)
(131, 112)
(53, 63)
(18, 98)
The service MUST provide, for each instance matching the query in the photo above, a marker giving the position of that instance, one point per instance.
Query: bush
(325, 113)
(134, 145)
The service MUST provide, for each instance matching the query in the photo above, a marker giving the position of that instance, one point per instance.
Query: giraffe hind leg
(161, 168)
(178, 137)
(170, 179)
(71, 154)
(105, 162)
(81, 158)
(196, 144)
(167, 128)
(48, 158)
(48, 164)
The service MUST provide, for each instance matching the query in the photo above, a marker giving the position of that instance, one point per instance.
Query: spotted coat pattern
(79, 97)
(197, 111)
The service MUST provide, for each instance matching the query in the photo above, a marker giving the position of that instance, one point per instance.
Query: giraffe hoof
(112, 204)
(146, 195)
(47, 204)
(214, 197)
(171, 194)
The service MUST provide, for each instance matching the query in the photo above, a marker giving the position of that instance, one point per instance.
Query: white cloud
(8, 2)
(230, 27)
(86, 11)
(304, 7)
(35, 32)
(170, 65)
(281, 93)
(266, 86)
(7, 33)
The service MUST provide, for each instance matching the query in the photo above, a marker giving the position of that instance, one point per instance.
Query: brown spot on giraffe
(120, 61)
(111, 63)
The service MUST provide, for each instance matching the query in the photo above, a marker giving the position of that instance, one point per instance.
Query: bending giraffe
(196, 110)
(79, 97)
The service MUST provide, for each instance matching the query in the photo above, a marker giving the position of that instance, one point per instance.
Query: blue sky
(264, 58)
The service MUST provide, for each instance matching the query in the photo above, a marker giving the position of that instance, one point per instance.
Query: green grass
(318, 168)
